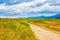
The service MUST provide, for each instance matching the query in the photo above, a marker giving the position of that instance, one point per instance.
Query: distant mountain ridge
(55, 16)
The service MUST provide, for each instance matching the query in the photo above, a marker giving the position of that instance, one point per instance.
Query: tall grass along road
(42, 34)
(15, 29)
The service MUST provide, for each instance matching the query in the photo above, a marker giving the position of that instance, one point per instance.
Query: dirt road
(42, 34)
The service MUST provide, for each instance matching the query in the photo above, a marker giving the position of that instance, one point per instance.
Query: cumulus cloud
(22, 7)
(28, 7)
(3, 6)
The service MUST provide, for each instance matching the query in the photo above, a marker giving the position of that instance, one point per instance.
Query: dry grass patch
(15, 29)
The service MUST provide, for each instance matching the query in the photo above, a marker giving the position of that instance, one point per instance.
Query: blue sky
(28, 8)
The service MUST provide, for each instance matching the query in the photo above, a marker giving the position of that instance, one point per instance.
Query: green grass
(15, 29)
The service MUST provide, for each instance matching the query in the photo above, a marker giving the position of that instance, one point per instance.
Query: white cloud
(13, 16)
(8, 17)
(48, 15)
(32, 15)
(26, 7)
(3, 6)
(53, 1)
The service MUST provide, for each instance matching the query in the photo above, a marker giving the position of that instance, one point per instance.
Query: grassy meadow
(15, 29)
(50, 24)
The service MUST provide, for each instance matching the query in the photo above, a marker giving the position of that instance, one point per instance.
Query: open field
(15, 29)
(50, 24)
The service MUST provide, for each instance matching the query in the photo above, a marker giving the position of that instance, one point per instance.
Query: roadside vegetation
(50, 24)
(15, 29)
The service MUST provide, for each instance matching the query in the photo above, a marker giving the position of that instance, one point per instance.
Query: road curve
(42, 34)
